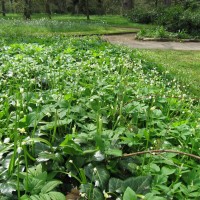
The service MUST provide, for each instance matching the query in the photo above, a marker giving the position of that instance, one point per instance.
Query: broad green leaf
(44, 196)
(35, 140)
(68, 97)
(25, 197)
(50, 186)
(35, 197)
(68, 138)
(154, 167)
(129, 194)
(56, 196)
(45, 156)
(151, 196)
(100, 174)
(114, 152)
(115, 185)
(103, 176)
(167, 171)
(160, 179)
(141, 184)
(97, 194)
(192, 177)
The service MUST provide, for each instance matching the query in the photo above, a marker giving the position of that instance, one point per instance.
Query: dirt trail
(129, 40)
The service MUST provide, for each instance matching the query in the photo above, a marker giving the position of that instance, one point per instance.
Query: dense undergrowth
(161, 33)
(71, 107)
(181, 20)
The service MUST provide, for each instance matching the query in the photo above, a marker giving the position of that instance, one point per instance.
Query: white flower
(6, 140)
(96, 184)
(19, 150)
(95, 170)
(48, 114)
(30, 109)
(70, 174)
(21, 130)
(153, 108)
(10, 74)
(106, 195)
(70, 161)
(82, 194)
(21, 90)
(17, 104)
(99, 156)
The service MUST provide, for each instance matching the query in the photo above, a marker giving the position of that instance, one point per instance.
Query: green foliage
(129, 194)
(161, 33)
(71, 107)
(174, 18)
(37, 184)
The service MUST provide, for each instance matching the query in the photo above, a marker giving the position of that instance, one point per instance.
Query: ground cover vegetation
(71, 108)
(83, 119)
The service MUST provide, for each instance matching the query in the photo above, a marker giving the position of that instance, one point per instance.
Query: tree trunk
(27, 9)
(3, 8)
(127, 4)
(12, 9)
(87, 9)
(47, 8)
(156, 3)
(167, 2)
(100, 7)
(75, 4)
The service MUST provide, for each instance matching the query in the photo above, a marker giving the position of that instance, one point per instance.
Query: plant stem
(160, 151)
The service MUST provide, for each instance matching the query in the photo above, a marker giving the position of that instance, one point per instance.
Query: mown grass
(68, 24)
(182, 65)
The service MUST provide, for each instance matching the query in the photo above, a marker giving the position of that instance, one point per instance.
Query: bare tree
(87, 9)
(100, 7)
(3, 8)
(127, 4)
(47, 8)
(27, 9)
(167, 2)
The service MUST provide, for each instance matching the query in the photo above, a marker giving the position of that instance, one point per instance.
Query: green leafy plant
(38, 185)
(95, 117)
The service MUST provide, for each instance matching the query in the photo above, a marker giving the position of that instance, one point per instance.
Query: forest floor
(130, 41)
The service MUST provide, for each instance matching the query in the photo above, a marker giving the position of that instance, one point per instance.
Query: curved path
(129, 40)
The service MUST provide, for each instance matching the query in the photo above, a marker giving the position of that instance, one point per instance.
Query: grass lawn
(183, 65)
(68, 24)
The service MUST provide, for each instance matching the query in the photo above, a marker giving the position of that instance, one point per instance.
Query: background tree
(27, 9)
(3, 7)
(127, 4)
(167, 2)
(100, 9)
(48, 8)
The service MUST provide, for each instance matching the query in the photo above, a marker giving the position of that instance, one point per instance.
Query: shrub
(145, 16)
(176, 18)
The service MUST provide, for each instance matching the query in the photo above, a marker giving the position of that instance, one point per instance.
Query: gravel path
(129, 40)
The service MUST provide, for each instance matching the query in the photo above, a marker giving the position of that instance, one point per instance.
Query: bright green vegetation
(70, 107)
(160, 32)
(183, 65)
(67, 25)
